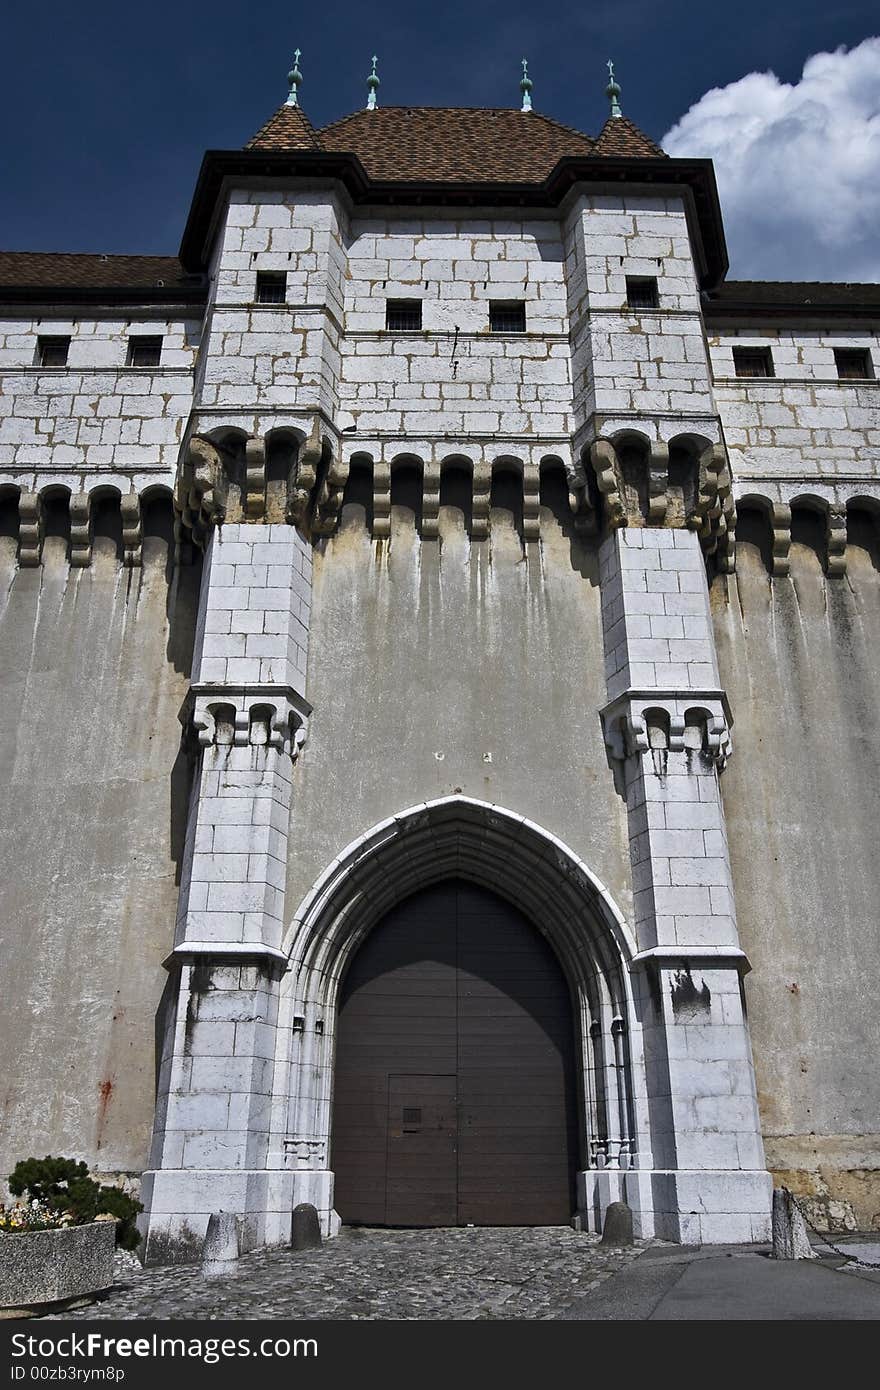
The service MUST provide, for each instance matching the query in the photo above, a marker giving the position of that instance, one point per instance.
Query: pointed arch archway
(458, 837)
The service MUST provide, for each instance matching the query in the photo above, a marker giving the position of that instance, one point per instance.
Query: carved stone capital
(640, 720)
(237, 716)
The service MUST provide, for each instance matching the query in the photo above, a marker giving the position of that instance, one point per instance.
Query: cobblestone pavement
(511, 1272)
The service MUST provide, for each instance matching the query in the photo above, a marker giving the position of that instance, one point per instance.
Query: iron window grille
(144, 351)
(403, 315)
(641, 293)
(753, 362)
(507, 316)
(853, 364)
(52, 352)
(271, 287)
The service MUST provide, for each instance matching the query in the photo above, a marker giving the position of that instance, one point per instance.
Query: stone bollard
(790, 1239)
(221, 1248)
(617, 1228)
(305, 1229)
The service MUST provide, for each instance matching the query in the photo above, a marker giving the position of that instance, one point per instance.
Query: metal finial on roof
(294, 77)
(525, 87)
(372, 84)
(612, 91)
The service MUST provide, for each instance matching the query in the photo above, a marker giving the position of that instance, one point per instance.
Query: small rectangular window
(507, 316)
(144, 351)
(52, 352)
(641, 292)
(403, 315)
(271, 287)
(752, 362)
(853, 364)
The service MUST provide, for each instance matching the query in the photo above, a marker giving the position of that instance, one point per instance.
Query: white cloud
(798, 167)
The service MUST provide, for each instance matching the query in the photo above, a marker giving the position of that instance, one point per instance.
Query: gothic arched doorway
(455, 1077)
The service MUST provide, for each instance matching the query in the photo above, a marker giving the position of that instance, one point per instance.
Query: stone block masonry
(667, 729)
(249, 714)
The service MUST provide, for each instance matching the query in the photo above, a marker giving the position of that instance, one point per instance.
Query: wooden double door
(454, 1091)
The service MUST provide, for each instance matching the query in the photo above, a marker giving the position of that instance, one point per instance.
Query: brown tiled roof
(453, 144)
(62, 269)
(439, 144)
(620, 139)
(289, 129)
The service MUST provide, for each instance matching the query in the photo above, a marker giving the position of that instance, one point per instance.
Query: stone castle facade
(433, 518)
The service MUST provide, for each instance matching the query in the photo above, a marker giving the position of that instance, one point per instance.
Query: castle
(439, 628)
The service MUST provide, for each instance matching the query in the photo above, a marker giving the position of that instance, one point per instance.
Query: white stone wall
(630, 364)
(655, 609)
(256, 601)
(285, 356)
(430, 382)
(96, 415)
(803, 425)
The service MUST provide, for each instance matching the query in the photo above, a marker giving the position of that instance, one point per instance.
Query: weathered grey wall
(92, 675)
(462, 649)
(800, 658)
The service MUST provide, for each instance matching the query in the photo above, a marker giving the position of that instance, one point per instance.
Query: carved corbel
(482, 500)
(304, 476)
(31, 529)
(330, 495)
(585, 519)
(780, 518)
(706, 498)
(658, 483)
(609, 480)
(80, 530)
(255, 477)
(431, 500)
(200, 488)
(531, 502)
(836, 523)
(132, 537)
(381, 499)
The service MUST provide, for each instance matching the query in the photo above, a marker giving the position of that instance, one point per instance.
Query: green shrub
(64, 1185)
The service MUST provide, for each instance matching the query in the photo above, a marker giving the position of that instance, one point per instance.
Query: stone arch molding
(458, 836)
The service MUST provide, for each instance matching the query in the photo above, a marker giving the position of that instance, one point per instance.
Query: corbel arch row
(423, 481)
(111, 511)
(826, 525)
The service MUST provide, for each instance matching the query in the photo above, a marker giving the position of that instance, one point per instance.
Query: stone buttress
(700, 1163)
(248, 717)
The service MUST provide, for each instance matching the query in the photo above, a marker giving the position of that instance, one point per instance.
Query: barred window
(752, 362)
(403, 315)
(641, 292)
(507, 316)
(271, 287)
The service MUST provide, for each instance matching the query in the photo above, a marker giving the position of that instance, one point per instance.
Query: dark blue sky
(107, 108)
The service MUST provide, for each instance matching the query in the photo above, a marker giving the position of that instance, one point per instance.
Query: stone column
(247, 713)
(667, 728)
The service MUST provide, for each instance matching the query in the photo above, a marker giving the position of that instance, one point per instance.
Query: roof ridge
(101, 255)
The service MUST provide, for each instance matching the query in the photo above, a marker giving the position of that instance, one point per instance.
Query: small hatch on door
(412, 1118)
